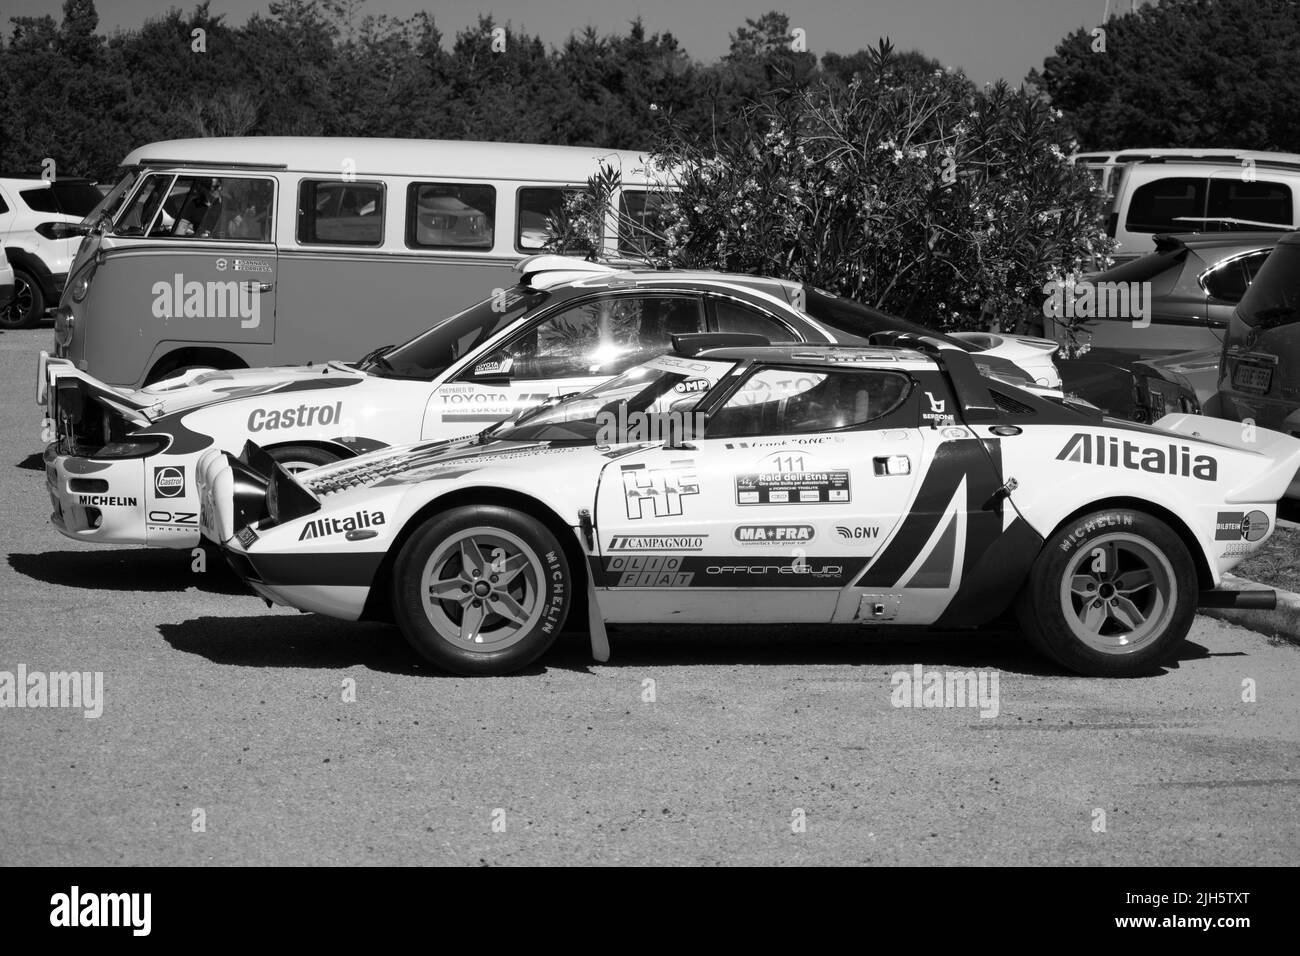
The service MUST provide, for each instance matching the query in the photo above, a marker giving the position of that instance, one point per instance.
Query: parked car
(6, 279)
(121, 466)
(825, 485)
(1205, 191)
(40, 226)
(1259, 373)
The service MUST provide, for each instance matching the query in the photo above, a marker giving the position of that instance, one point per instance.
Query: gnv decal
(1111, 452)
(324, 527)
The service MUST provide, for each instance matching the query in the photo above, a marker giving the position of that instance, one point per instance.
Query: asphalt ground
(225, 736)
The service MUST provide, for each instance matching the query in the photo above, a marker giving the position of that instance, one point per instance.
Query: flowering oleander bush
(916, 193)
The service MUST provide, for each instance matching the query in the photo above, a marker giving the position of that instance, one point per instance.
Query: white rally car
(795, 484)
(120, 466)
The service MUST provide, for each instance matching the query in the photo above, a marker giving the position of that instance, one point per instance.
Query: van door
(192, 261)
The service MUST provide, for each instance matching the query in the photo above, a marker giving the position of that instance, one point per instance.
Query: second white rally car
(120, 463)
(732, 482)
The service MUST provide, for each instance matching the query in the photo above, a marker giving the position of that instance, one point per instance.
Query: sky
(990, 39)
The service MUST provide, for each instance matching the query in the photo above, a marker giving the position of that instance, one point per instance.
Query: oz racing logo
(169, 481)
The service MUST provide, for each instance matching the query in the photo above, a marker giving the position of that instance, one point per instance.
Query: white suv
(6, 279)
(40, 228)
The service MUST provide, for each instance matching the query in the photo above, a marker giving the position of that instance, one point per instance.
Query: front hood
(443, 460)
(198, 388)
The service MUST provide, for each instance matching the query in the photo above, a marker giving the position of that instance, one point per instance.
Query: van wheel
(1111, 594)
(481, 590)
(296, 458)
(24, 311)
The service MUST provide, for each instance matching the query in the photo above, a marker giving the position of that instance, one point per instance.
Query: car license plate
(1256, 378)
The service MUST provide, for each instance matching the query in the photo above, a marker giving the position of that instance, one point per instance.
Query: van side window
(145, 206)
(603, 337)
(1175, 204)
(203, 207)
(1259, 203)
(734, 317)
(537, 205)
(450, 216)
(340, 212)
(639, 222)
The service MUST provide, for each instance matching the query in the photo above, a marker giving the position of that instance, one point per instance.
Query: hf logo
(658, 492)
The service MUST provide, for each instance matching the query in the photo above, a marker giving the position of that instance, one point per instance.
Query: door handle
(265, 286)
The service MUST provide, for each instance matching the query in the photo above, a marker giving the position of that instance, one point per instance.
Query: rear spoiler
(1281, 453)
(55, 374)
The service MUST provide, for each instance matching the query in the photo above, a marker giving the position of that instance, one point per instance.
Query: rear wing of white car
(1279, 454)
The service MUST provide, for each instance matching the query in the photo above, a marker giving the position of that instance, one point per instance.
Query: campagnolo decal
(1109, 451)
(657, 542)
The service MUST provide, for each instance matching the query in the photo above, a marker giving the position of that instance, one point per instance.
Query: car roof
(827, 356)
(439, 159)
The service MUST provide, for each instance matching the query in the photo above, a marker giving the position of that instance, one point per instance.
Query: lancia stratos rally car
(120, 466)
(729, 482)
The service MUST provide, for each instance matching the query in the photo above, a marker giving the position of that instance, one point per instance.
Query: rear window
(1175, 204)
(1273, 299)
(1256, 204)
(75, 198)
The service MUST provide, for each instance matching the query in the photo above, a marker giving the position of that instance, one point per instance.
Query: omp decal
(793, 488)
(693, 385)
(774, 533)
(663, 488)
(1238, 526)
(169, 481)
(324, 527)
(657, 542)
(1110, 452)
(107, 501)
(304, 416)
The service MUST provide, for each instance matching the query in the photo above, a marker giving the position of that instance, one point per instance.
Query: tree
(1207, 73)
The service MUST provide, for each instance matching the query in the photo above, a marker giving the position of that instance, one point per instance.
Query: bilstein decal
(324, 527)
(1236, 526)
(304, 416)
(1110, 452)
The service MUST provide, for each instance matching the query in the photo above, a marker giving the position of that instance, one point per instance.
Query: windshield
(109, 204)
(854, 318)
(654, 401)
(1273, 298)
(430, 352)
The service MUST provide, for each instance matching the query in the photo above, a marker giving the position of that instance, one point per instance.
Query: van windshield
(1273, 298)
(109, 204)
(432, 351)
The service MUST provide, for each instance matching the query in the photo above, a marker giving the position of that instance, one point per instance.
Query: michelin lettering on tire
(555, 605)
(1081, 531)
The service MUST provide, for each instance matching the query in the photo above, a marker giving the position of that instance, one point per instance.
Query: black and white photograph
(605, 434)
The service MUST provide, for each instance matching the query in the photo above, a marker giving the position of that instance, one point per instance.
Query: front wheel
(481, 590)
(25, 309)
(1112, 594)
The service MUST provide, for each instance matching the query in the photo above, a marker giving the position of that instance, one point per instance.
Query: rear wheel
(24, 311)
(481, 590)
(1112, 594)
(296, 458)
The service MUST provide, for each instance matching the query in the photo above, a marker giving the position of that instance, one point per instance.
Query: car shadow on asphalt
(314, 641)
(33, 462)
(135, 569)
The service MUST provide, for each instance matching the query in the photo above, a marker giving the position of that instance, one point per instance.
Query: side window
(450, 216)
(204, 207)
(340, 212)
(732, 316)
(785, 401)
(1174, 204)
(537, 205)
(1230, 281)
(640, 224)
(40, 200)
(602, 337)
(145, 207)
(1258, 203)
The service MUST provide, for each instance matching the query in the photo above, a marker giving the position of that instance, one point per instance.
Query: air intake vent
(1008, 405)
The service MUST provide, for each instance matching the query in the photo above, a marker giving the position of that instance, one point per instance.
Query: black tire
(26, 308)
(472, 629)
(1111, 594)
(297, 458)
